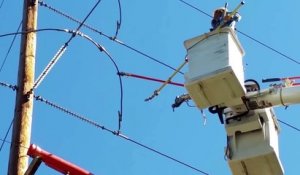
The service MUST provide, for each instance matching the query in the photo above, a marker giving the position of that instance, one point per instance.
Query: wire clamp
(155, 93)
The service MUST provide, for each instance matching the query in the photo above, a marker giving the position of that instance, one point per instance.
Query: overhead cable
(116, 133)
(289, 125)
(102, 49)
(119, 22)
(105, 35)
(10, 47)
(6, 134)
(194, 7)
(1, 4)
(99, 126)
(60, 51)
(269, 47)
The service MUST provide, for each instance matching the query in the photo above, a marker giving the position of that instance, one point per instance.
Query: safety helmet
(222, 9)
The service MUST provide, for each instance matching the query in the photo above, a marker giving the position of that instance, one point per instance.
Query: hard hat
(219, 9)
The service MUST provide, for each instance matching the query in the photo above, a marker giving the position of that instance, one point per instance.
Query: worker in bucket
(223, 18)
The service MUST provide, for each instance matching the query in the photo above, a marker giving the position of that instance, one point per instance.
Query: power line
(289, 125)
(105, 35)
(38, 30)
(13, 144)
(162, 154)
(190, 5)
(14, 88)
(6, 134)
(146, 55)
(101, 48)
(61, 51)
(116, 133)
(256, 40)
(10, 86)
(9, 49)
(1, 4)
(269, 47)
(119, 22)
(99, 126)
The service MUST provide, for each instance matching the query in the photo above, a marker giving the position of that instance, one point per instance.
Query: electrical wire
(37, 30)
(10, 47)
(194, 7)
(146, 55)
(6, 134)
(119, 22)
(116, 133)
(256, 40)
(189, 105)
(289, 125)
(269, 47)
(13, 144)
(59, 54)
(164, 155)
(1, 4)
(43, 4)
(87, 16)
(101, 48)
(10, 86)
(14, 88)
(60, 51)
(99, 126)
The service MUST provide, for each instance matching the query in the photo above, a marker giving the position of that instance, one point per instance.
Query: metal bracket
(34, 165)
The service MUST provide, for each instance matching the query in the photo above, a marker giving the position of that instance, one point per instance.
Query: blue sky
(84, 80)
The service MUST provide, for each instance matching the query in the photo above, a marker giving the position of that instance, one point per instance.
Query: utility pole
(20, 142)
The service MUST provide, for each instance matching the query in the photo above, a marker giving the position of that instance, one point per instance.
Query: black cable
(190, 5)
(289, 125)
(162, 154)
(189, 105)
(6, 134)
(13, 144)
(61, 51)
(37, 30)
(1, 4)
(101, 48)
(81, 24)
(269, 47)
(119, 22)
(148, 56)
(10, 47)
(105, 35)
(14, 88)
(116, 133)
(120, 113)
(259, 42)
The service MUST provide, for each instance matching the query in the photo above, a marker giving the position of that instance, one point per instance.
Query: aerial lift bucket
(215, 69)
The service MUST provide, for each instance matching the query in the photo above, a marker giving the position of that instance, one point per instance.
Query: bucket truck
(215, 80)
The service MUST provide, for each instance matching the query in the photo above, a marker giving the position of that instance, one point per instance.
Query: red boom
(56, 162)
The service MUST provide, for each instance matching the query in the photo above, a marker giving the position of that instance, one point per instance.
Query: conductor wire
(60, 52)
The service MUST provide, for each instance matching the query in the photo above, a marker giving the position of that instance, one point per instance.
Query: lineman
(223, 18)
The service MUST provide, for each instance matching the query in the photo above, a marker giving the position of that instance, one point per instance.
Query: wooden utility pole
(18, 161)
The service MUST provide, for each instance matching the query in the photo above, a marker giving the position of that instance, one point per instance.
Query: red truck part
(56, 162)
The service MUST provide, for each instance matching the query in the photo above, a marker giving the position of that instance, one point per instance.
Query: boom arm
(274, 96)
